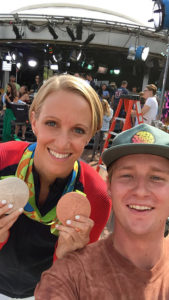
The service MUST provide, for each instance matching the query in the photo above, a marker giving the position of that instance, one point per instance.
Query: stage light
(70, 33)
(142, 53)
(139, 53)
(131, 53)
(75, 55)
(57, 57)
(13, 56)
(116, 71)
(161, 14)
(90, 65)
(52, 32)
(79, 28)
(18, 65)
(68, 64)
(54, 67)
(16, 31)
(102, 69)
(89, 39)
(8, 57)
(32, 63)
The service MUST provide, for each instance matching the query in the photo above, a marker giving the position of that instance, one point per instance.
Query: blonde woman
(65, 114)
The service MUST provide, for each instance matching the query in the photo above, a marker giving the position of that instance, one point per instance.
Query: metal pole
(164, 84)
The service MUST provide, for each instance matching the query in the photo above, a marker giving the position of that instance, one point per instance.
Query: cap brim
(116, 152)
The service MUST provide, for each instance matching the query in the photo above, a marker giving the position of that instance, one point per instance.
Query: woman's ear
(33, 122)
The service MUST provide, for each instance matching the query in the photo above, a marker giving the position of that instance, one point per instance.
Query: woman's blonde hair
(75, 85)
(106, 107)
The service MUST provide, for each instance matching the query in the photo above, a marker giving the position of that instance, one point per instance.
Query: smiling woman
(65, 114)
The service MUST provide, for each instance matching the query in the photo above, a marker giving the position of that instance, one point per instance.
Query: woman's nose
(63, 140)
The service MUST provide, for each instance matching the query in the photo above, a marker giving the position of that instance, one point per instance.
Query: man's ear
(108, 187)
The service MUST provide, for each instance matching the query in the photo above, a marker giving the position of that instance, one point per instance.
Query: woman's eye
(51, 123)
(79, 130)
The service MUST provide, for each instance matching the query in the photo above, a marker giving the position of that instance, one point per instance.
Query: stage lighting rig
(89, 39)
(17, 33)
(70, 33)
(52, 32)
(79, 29)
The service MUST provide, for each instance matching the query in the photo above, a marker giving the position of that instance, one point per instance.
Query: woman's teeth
(59, 155)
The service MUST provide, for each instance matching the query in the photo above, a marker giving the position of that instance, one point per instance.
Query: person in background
(22, 121)
(100, 135)
(132, 262)
(8, 98)
(90, 81)
(64, 115)
(23, 94)
(36, 86)
(103, 92)
(12, 79)
(150, 107)
(134, 90)
(116, 98)
(112, 88)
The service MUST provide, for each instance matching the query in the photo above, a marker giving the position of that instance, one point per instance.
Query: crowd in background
(109, 95)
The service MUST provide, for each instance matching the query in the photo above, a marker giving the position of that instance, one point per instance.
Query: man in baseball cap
(132, 262)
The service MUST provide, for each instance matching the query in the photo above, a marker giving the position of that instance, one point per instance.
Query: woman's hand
(73, 236)
(7, 220)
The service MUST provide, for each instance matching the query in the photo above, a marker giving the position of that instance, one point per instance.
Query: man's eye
(51, 123)
(79, 130)
(126, 176)
(156, 178)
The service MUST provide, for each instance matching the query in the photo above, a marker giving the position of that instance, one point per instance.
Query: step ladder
(130, 102)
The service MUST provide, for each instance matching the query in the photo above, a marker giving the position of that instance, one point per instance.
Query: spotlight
(32, 63)
(16, 31)
(18, 65)
(13, 56)
(160, 15)
(70, 33)
(79, 28)
(139, 53)
(89, 39)
(116, 71)
(52, 32)
(142, 53)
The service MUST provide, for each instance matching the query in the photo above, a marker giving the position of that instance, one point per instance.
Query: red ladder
(129, 101)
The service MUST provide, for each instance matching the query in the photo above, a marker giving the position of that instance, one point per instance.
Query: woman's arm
(145, 109)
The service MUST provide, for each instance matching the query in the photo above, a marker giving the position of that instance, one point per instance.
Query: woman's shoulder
(11, 152)
(91, 178)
